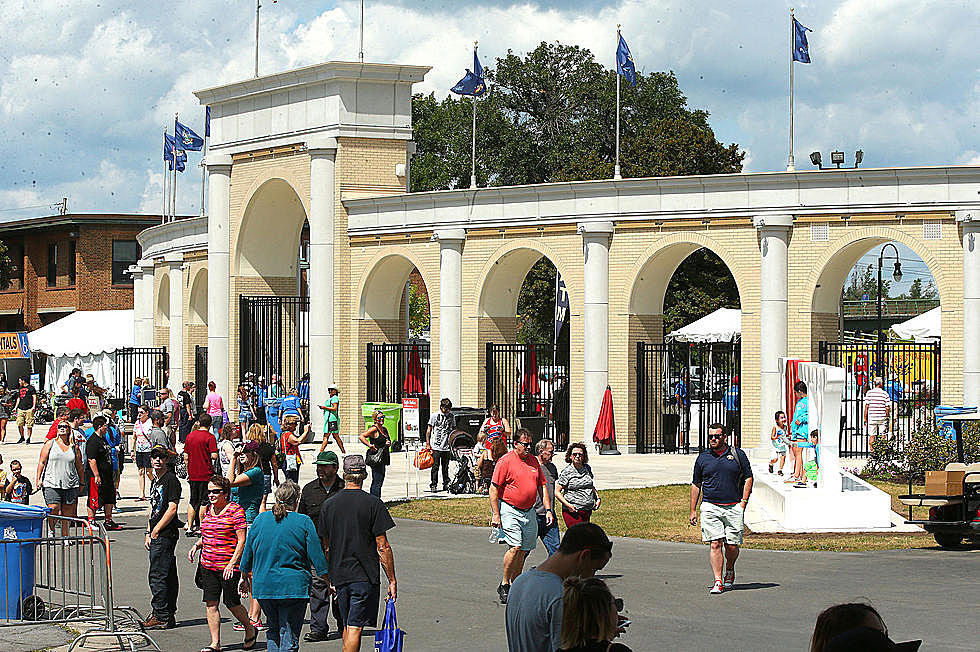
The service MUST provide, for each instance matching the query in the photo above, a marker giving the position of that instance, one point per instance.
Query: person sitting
(853, 626)
(589, 617)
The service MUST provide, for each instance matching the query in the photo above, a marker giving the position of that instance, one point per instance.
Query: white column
(175, 350)
(137, 273)
(450, 312)
(219, 271)
(970, 224)
(595, 245)
(320, 277)
(773, 311)
(145, 306)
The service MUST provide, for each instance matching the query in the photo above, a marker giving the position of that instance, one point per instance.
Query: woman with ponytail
(281, 552)
(590, 617)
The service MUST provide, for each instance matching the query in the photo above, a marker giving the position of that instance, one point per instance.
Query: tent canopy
(87, 332)
(723, 325)
(921, 328)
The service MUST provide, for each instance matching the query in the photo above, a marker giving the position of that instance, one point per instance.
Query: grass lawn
(662, 512)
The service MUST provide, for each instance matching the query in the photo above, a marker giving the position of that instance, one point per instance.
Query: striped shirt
(218, 536)
(494, 429)
(878, 402)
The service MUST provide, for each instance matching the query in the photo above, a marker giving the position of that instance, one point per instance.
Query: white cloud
(86, 91)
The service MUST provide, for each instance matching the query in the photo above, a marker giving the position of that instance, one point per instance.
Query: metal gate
(143, 362)
(530, 384)
(397, 370)
(682, 388)
(274, 338)
(912, 378)
(200, 376)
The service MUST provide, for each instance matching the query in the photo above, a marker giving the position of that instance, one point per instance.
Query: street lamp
(897, 275)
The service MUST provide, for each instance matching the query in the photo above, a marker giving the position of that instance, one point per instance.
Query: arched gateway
(331, 144)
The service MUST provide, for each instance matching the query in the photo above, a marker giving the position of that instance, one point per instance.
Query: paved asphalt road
(447, 575)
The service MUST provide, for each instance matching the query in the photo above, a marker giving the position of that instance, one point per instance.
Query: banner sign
(14, 345)
(410, 418)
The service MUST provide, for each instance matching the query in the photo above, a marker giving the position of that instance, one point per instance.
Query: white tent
(86, 339)
(921, 328)
(723, 325)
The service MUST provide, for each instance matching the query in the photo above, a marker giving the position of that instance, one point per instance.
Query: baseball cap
(354, 463)
(250, 446)
(327, 457)
(333, 387)
(160, 449)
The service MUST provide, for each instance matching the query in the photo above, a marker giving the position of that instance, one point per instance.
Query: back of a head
(800, 387)
(582, 536)
(156, 416)
(588, 613)
(204, 420)
(868, 639)
(286, 495)
(840, 618)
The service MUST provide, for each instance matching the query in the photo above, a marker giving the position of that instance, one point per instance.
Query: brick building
(66, 263)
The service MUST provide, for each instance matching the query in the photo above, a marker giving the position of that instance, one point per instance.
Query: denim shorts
(56, 496)
(359, 603)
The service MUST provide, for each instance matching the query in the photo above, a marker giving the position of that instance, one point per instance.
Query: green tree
(701, 285)
(418, 310)
(864, 284)
(7, 266)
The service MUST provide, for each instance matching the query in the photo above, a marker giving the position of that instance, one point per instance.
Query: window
(71, 262)
(124, 254)
(15, 251)
(52, 264)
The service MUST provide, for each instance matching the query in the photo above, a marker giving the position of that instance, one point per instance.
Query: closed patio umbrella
(414, 379)
(605, 426)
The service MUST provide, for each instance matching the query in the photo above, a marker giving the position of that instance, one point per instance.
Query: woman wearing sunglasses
(59, 473)
(575, 487)
(221, 544)
(377, 440)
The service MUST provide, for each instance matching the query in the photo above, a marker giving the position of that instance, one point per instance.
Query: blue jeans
(377, 479)
(285, 621)
(549, 534)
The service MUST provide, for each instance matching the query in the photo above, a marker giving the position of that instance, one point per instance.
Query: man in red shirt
(517, 483)
(200, 452)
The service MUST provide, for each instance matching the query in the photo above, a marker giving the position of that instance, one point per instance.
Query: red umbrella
(413, 379)
(605, 427)
(529, 383)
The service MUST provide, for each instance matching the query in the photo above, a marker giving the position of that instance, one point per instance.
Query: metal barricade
(70, 583)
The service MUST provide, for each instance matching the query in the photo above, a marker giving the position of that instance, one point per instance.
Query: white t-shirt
(878, 402)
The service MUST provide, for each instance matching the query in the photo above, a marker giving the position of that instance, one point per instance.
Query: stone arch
(163, 301)
(501, 278)
(269, 234)
(199, 298)
(383, 283)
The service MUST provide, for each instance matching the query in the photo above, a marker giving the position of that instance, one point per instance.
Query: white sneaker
(717, 588)
(729, 580)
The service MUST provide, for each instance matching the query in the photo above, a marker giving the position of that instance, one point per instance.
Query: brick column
(595, 247)
(219, 270)
(773, 307)
(450, 312)
(970, 229)
(175, 349)
(323, 153)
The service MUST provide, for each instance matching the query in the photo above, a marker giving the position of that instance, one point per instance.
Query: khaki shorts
(25, 418)
(722, 522)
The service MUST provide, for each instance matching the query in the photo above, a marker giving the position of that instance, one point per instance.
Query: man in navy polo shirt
(724, 476)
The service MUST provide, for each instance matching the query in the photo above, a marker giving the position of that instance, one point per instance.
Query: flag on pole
(624, 61)
(207, 122)
(561, 306)
(801, 49)
(173, 153)
(472, 83)
(186, 138)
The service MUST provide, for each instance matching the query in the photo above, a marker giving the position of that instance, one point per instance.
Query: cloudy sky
(87, 86)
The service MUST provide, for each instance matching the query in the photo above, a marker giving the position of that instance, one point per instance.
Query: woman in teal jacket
(281, 551)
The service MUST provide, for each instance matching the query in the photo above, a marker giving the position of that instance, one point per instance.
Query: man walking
(26, 402)
(102, 490)
(441, 426)
(186, 400)
(548, 533)
(353, 527)
(327, 485)
(200, 452)
(682, 397)
(161, 541)
(517, 484)
(877, 412)
(535, 604)
(723, 476)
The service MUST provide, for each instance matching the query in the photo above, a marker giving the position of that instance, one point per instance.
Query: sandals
(249, 643)
(210, 649)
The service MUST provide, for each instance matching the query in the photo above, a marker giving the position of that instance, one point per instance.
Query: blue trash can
(18, 522)
(272, 415)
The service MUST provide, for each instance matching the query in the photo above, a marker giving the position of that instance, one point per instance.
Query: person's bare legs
(191, 517)
(55, 511)
(731, 554)
(239, 612)
(107, 509)
(513, 564)
(3, 429)
(70, 511)
(352, 639)
(254, 611)
(142, 484)
(214, 623)
(717, 557)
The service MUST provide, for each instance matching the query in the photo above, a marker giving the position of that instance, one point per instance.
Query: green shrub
(885, 462)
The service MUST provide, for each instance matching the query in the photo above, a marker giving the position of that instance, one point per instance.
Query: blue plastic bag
(389, 638)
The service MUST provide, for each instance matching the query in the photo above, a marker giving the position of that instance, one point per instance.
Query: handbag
(423, 459)
(390, 638)
(180, 469)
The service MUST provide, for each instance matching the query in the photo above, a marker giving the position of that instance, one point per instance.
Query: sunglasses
(576, 455)
(158, 457)
(522, 443)
(215, 492)
(710, 436)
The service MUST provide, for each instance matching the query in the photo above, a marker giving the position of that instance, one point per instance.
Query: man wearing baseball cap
(353, 528)
(162, 532)
(326, 485)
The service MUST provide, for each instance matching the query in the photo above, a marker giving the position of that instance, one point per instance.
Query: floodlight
(816, 160)
(837, 158)
(858, 157)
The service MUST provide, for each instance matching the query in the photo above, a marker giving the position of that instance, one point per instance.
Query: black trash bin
(670, 424)
(534, 423)
(469, 419)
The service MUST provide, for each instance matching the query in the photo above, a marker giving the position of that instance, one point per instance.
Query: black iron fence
(530, 384)
(682, 388)
(274, 338)
(140, 362)
(200, 376)
(911, 377)
(398, 370)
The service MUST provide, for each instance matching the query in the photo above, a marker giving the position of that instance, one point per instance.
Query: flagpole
(360, 51)
(173, 188)
(163, 213)
(473, 152)
(204, 154)
(258, 5)
(790, 163)
(616, 171)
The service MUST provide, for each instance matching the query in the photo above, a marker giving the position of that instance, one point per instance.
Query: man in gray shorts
(724, 475)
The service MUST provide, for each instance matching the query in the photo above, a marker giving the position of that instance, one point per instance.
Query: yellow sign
(14, 345)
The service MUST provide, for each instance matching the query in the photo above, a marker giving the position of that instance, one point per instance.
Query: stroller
(461, 455)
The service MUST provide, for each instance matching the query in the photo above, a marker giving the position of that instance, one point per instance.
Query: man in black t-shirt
(26, 402)
(102, 491)
(162, 532)
(353, 527)
(186, 401)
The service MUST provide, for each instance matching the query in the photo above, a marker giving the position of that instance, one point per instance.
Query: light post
(897, 275)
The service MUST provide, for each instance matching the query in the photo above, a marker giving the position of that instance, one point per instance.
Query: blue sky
(86, 88)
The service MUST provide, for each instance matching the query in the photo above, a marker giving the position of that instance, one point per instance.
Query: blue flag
(561, 307)
(207, 122)
(801, 49)
(172, 152)
(624, 61)
(473, 83)
(187, 139)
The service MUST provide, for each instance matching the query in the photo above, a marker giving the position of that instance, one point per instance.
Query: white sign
(36, 380)
(410, 418)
